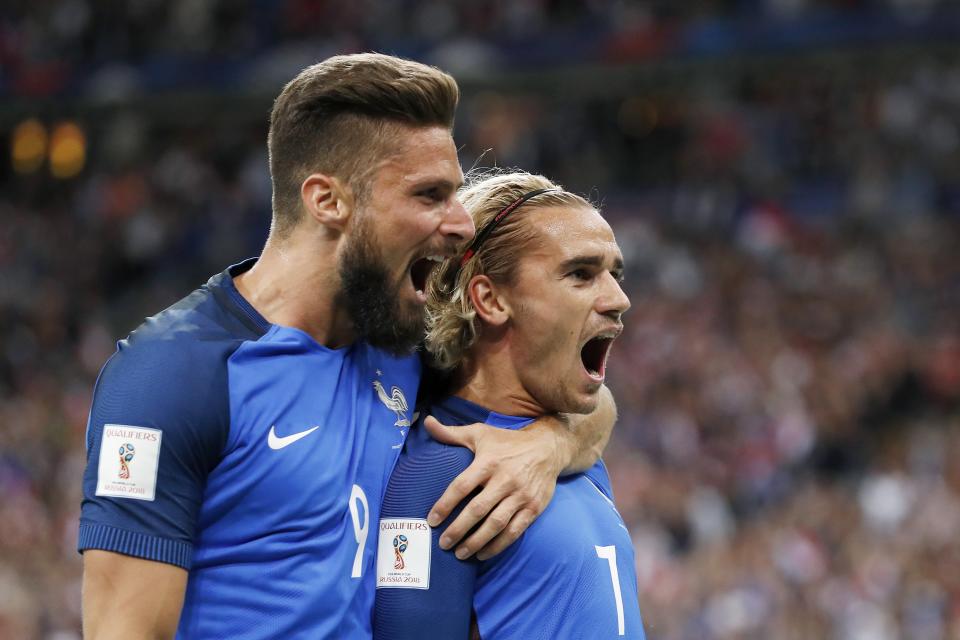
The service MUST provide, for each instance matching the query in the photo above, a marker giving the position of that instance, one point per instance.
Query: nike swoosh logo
(276, 442)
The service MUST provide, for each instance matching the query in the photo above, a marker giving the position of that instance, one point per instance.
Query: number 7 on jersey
(610, 555)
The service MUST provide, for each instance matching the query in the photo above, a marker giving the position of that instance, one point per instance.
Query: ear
(327, 200)
(488, 300)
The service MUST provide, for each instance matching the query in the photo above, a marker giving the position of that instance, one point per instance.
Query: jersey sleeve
(444, 609)
(157, 426)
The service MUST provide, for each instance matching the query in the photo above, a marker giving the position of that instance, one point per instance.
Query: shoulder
(197, 324)
(172, 368)
(431, 457)
(187, 341)
(422, 473)
(426, 457)
(597, 474)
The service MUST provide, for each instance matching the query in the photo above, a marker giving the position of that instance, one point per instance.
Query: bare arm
(517, 472)
(587, 435)
(127, 597)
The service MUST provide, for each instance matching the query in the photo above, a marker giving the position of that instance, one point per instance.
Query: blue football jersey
(571, 575)
(252, 456)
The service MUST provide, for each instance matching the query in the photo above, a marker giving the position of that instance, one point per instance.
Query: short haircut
(452, 323)
(337, 117)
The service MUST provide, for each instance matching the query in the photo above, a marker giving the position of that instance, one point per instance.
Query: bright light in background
(65, 146)
(28, 146)
(68, 150)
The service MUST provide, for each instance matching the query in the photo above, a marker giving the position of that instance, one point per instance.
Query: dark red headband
(488, 228)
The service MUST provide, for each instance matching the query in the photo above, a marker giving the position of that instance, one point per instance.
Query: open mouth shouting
(419, 272)
(595, 351)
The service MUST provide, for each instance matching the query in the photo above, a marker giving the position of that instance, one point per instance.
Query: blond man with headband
(523, 322)
(240, 442)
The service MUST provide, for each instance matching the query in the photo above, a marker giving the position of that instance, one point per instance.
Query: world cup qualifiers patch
(403, 554)
(129, 457)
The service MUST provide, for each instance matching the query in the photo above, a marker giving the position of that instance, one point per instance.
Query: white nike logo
(276, 442)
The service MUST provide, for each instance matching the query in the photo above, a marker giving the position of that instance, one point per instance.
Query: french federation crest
(395, 402)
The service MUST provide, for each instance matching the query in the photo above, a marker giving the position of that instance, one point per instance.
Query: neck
(489, 378)
(294, 284)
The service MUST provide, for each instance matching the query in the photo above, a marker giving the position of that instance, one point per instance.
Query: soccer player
(239, 442)
(525, 319)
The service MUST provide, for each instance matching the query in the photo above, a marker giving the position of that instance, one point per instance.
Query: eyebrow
(439, 183)
(590, 261)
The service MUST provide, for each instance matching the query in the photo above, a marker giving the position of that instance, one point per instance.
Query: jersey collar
(468, 412)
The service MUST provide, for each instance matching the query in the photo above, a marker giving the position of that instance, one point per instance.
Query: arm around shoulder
(518, 472)
(127, 597)
(587, 435)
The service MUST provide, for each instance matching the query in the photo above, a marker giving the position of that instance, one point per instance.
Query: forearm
(516, 472)
(125, 597)
(587, 435)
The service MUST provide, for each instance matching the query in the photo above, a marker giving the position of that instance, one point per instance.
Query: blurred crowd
(787, 454)
(788, 450)
(108, 49)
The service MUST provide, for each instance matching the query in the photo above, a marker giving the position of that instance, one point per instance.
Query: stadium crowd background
(783, 177)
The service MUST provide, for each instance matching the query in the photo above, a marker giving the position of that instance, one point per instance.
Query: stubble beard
(375, 307)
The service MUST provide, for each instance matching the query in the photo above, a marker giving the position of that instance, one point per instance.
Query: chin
(582, 403)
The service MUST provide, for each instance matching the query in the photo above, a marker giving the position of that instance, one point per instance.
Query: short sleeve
(158, 424)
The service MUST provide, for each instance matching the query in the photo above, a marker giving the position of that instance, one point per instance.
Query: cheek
(419, 225)
(549, 341)
(394, 228)
(407, 238)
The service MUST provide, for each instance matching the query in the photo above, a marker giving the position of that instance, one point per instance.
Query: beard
(375, 307)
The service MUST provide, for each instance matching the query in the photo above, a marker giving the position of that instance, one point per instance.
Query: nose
(613, 301)
(457, 225)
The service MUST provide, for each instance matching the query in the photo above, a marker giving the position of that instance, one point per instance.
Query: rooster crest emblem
(395, 402)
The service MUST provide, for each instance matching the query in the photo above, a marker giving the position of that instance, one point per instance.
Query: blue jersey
(252, 456)
(571, 575)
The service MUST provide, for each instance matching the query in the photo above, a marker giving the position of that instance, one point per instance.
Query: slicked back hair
(339, 117)
(452, 324)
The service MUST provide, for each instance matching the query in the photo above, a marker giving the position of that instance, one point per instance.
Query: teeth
(435, 258)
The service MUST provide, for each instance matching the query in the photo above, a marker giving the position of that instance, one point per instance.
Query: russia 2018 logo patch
(129, 458)
(403, 554)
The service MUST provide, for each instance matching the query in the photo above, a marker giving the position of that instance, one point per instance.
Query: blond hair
(335, 118)
(452, 324)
